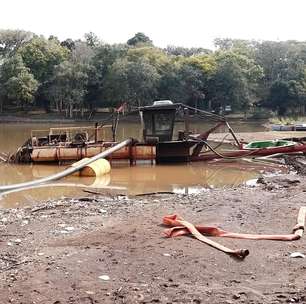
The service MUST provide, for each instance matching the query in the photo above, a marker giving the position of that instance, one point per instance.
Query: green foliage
(92, 39)
(186, 52)
(21, 88)
(132, 81)
(139, 39)
(41, 56)
(11, 40)
(19, 85)
(285, 120)
(73, 75)
(68, 85)
(234, 81)
(261, 113)
(285, 95)
(192, 82)
(68, 43)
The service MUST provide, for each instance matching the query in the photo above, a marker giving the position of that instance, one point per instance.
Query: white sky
(167, 22)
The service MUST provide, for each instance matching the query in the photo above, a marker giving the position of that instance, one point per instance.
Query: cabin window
(159, 123)
(162, 122)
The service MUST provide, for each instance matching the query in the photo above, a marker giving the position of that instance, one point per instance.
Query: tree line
(82, 75)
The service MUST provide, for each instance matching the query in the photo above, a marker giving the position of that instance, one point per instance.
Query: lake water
(123, 179)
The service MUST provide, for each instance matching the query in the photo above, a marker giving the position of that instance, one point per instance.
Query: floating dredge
(159, 144)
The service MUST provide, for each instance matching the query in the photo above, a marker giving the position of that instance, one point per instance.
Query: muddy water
(184, 178)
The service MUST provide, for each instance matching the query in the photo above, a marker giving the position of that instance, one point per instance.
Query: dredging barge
(158, 145)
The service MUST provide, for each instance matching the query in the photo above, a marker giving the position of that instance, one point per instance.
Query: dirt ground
(99, 249)
(257, 136)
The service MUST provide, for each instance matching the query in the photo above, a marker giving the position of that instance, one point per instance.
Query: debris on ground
(120, 238)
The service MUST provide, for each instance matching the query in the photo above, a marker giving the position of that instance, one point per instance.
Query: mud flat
(98, 249)
(253, 136)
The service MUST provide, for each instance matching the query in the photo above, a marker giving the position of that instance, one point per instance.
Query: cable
(220, 143)
(227, 157)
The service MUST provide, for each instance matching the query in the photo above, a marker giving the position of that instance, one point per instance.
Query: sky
(188, 23)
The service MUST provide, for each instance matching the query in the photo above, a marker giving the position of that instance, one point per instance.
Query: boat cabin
(158, 121)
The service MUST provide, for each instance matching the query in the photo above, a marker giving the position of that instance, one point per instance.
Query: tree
(19, 85)
(285, 96)
(68, 43)
(235, 81)
(92, 39)
(139, 39)
(12, 40)
(134, 82)
(193, 76)
(169, 86)
(54, 38)
(41, 56)
(68, 86)
(186, 52)
(82, 52)
(104, 56)
(22, 88)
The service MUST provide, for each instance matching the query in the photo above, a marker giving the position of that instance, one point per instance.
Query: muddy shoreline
(60, 118)
(98, 249)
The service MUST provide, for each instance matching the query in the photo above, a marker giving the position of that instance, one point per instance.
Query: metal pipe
(69, 170)
(186, 118)
(208, 114)
(233, 133)
(96, 132)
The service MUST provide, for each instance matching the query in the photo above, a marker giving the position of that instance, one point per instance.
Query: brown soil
(55, 253)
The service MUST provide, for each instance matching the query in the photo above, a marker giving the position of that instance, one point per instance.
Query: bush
(260, 113)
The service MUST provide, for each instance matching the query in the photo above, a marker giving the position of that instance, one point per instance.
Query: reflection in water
(183, 178)
(139, 179)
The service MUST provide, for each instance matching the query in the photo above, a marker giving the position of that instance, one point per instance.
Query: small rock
(64, 231)
(297, 255)
(166, 254)
(69, 228)
(104, 277)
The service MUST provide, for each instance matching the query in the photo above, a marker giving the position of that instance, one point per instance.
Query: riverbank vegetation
(78, 77)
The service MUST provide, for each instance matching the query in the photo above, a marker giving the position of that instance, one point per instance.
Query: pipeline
(69, 170)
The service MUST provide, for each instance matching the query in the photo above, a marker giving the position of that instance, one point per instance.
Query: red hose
(178, 229)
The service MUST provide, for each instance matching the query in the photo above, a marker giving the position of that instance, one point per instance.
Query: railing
(70, 134)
